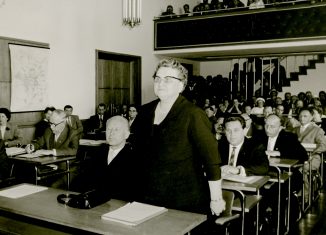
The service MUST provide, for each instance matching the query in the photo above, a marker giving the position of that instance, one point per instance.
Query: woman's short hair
(172, 63)
(6, 112)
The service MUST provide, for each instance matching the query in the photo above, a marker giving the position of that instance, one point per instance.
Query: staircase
(309, 76)
(303, 69)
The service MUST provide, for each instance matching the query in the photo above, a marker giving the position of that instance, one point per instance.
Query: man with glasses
(57, 140)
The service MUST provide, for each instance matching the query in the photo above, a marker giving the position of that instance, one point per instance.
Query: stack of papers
(21, 191)
(134, 213)
(91, 142)
(30, 155)
(13, 151)
(238, 178)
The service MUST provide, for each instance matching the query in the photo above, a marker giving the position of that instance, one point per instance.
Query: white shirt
(271, 143)
(3, 130)
(113, 153)
(303, 128)
(236, 153)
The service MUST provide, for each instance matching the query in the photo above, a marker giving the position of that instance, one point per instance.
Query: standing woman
(179, 154)
(9, 132)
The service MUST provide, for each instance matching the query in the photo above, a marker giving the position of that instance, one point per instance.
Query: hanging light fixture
(131, 12)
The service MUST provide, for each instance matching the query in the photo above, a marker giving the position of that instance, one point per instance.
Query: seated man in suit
(282, 144)
(309, 132)
(240, 155)
(97, 122)
(73, 120)
(58, 140)
(112, 172)
(42, 125)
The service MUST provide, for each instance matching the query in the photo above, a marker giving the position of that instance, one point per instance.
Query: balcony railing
(276, 22)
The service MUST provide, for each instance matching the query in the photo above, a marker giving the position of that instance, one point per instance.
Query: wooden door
(117, 80)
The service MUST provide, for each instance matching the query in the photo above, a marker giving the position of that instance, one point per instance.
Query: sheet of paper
(13, 151)
(30, 155)
(238, 178)
(91, 142)
(21, 191)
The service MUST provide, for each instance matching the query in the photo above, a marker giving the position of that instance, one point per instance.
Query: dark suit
(173, 155)
(94, 122)
(251, 156)
(5, 165)
(118, 179)
(67, 143)
(40, 128)
(289, 146)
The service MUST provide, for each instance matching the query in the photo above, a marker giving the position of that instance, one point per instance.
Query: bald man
(113, 171)
(280, 143)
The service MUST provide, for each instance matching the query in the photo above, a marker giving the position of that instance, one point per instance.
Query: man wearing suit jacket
(309, 132)
(249, 158)
(97, 122)
(58, 140)
(73, 120)
(280, 143)
(112, 172)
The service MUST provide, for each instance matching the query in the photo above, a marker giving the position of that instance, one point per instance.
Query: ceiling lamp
(131, 12)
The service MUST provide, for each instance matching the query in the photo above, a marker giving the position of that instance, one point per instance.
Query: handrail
(233, 9)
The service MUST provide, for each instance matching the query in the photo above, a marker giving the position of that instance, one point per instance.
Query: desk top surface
(282, 162)
(251, 187)
(43, 206)
(43, 160)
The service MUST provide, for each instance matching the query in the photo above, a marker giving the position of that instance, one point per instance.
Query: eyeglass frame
(165, 79)
(55, 125)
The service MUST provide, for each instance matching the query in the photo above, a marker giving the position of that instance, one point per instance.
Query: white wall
(75, 29)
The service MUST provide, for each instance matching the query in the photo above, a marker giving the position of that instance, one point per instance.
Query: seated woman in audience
(9, 132)
(259, 109)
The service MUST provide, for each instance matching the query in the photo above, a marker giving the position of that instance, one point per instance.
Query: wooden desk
(43, 210)
(288, 164)
(46, 160)
(253, 187)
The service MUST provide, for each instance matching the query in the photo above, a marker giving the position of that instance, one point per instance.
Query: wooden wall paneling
(5, 89)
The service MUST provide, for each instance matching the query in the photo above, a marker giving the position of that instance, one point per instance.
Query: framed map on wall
(29, 78)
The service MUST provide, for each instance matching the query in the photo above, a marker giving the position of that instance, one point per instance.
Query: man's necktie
(231, 161)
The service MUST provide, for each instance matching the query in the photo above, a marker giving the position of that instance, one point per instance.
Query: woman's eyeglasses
(166, 80)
